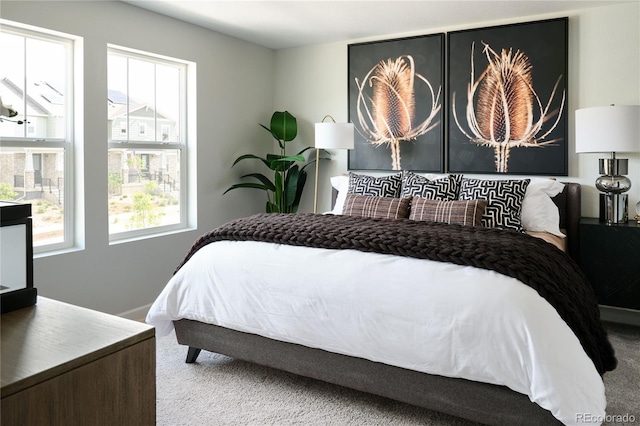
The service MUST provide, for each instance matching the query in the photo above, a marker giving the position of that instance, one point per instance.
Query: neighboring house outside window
(36, 145)
(147, 143)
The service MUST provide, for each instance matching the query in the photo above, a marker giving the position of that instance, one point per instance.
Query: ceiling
(286, 24)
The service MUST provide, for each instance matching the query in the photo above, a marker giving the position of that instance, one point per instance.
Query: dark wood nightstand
(610, 258)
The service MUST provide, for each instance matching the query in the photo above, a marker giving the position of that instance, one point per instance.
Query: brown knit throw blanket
(534, 262)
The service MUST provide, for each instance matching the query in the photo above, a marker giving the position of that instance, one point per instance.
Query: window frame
(68, 144)
(181, 146)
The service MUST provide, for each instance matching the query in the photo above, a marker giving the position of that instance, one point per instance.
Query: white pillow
(341, 184)
(539, 213)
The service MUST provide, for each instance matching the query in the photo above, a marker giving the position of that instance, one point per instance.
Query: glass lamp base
(616, 184)
(614, 208)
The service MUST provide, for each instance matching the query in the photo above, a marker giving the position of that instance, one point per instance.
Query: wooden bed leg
(192, 354)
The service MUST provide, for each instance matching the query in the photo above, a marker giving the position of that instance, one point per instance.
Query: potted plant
(285, 189)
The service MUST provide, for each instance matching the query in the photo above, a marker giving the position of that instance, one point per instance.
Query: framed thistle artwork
(507, 99)
(396, 104)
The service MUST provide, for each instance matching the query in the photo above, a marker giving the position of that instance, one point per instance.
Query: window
(147, 143)
(36, 136)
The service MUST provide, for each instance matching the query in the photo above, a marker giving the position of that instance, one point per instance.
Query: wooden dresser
(67, 365)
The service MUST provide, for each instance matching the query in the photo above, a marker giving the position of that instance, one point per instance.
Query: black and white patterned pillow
(504, 199)
(385, 186)
(445, 189)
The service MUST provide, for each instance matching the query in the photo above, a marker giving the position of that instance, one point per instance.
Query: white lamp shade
(334, 135)
(614, 128)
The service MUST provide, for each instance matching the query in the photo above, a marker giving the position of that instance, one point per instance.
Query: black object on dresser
(610, 258)
(16, 257)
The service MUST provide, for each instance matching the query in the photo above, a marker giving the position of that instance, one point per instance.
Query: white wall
(234, 93)
(604, 68)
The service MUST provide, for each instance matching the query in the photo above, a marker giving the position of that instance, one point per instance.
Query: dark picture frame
(396, 103)
(16, 281)
(527, 61)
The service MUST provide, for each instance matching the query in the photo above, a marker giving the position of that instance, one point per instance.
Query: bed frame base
(476, 401)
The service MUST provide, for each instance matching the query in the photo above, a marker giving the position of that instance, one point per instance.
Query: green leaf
(281, 143)
(262, 178)
(324, 155)
(302, 179)
(308, 148)
(246, 185)
(308, 164)
(292, 158)
(268, 130)
(246, 156)
(284, 126)
(284, 163)
(276, 164)
(280, 163)
(291, 185)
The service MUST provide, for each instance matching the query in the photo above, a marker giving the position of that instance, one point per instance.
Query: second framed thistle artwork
(507, 99)
(504, 111)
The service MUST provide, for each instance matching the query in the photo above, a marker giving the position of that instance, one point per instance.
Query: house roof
(41, 97)
(117, 97)
(135, 110)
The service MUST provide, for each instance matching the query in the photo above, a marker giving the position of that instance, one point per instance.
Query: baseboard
(620, 315)
(137, 314)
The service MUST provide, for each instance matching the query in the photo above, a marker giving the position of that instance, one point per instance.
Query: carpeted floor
(219, 390)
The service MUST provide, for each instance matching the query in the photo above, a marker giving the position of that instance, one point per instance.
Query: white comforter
(433, 317)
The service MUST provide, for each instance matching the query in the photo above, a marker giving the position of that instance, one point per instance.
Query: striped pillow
(452, 212)
(376, 207)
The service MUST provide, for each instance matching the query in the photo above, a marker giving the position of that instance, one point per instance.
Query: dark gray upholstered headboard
(569, 204)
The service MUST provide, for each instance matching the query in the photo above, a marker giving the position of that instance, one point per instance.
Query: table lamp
(331, 136)
(610, 129)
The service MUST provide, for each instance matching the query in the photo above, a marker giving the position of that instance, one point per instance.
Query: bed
(310, 325)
